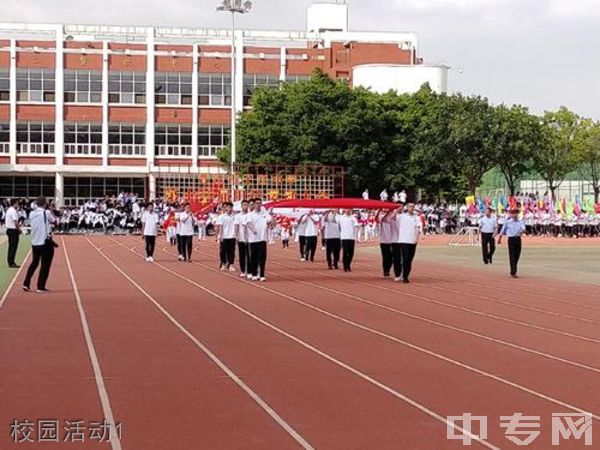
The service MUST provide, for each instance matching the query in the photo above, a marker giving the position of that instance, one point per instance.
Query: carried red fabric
(333, 203)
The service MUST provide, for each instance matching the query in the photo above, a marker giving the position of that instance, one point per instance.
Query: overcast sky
(540, 53)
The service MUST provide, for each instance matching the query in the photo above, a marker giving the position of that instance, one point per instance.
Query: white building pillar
(59, 189)
(13, 103)
(150, 113)
(59, 136)
(283, 64)
(195, 68)
(151, 187)
(239, 71)
(105, 104)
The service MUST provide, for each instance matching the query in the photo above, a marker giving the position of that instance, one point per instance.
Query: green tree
(554, 156)
(513, 134)
(587, 151)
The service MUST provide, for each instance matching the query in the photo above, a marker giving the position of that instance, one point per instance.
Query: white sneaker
(397, 279)
(180, 258)
(231, 269)
(223, 268)
(263, 279)
(147, 259)
(151, 259)
(249, 276)
(254, 278)
(302, 259)
(242, 275)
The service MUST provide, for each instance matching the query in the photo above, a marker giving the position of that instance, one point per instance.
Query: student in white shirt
(186, 232)
(333, 242)
(242, 240)
(348, 230)
(226, 237)
(488, 225)
(13, 230)
(150, 223)
(311, 232)
(301, 233)
(42, 245)
(387, 237)
(409, 226)
(258, 225)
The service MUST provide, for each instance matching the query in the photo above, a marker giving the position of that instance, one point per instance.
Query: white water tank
(404, 79)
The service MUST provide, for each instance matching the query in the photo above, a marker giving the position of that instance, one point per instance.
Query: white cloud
(574, 8)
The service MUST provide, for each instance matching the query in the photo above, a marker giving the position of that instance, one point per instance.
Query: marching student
(241, 233)
(178, 233)
(258, 225)
(285, 235)
(186, 232)
(311, 232)
(488, 226)
(301, 233)
(13, 230)
(409, 226)
(387, 237)
(226, 237)
(333, 242)
(513, 228)
(348, 232)
(150, 223)
(42, 245)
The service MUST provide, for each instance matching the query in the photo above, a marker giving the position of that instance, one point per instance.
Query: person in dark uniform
(513, 228)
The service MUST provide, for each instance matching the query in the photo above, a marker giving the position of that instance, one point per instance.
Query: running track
(187, 357)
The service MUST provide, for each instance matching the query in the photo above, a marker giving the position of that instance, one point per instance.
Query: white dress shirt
(40, 228)
(348, 226)
(241, 220)
(186, 221)
(150, 220)
(488, 224)
(227, 224)
(12, 218)
(408, 228)
(260, 223)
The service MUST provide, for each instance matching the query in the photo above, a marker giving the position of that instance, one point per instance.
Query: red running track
(184, 356)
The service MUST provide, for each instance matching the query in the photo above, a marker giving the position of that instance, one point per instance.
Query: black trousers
(258, 258)
(311, 247)
(244, 255)
(302, 242)
(488, 246)
(387, 258)
(13, 245)
(397, 259)
(179, 245)
(514, 253)
(150, 244)
(408, 254)
(45, 255)
(333, 248)
(348, 253)
(228, 252)
(186, 247)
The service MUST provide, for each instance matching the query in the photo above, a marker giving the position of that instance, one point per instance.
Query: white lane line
(324, 355)
(405, 343)
(237, 380)
(468, 310)
(14, 280)
(115, 442)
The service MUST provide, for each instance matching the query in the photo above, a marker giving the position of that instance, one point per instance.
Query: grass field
(6, 274)
(555, 259)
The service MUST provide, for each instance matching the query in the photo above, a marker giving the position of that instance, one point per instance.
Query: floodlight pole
(232, 144)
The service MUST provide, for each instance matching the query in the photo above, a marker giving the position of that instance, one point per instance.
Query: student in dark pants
(42, 246)
(258, 225)
(409, 229)
(487, 226)
(301, 231)
(312, 235)
(240, 222)
(13, 230)
(150, 222)
(333, 243)
(513, 228)
(348, 231)
(386, 241)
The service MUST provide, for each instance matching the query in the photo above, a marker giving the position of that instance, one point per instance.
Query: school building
(92, 110)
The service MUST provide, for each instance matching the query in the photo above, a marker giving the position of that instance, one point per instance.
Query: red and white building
(88, 111)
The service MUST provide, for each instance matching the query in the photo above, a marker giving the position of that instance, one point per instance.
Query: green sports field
(6, 274)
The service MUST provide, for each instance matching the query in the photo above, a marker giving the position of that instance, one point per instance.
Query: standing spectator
(384, 195)
(365, 194)
(402, 196)
(42, 245)
(150, 223)
(13, 230)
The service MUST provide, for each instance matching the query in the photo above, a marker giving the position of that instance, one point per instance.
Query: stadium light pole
(233, 7)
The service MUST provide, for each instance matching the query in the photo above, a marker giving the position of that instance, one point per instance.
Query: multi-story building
(88, 111)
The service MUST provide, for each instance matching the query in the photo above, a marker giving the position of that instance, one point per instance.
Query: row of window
(82, 138)
(175, 88)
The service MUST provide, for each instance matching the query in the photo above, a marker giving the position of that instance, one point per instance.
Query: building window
(211, 139)
(4, 85)
(173, 88)
(214, 89)
(126, 139)
(83, 86)
(82, 139)
(173, 140)
(35, 85)
(252, 81)
(127, 87)
(78, 190)
(4, 138)
(35, 138)
(296, 78)
(26, 187)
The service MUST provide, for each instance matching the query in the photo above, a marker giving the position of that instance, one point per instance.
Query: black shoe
(336, 267)
(485, 262)
(330, 267)
(386, 275)
(14, 266)
(515, 276)
(26, 288)
(405, 281)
